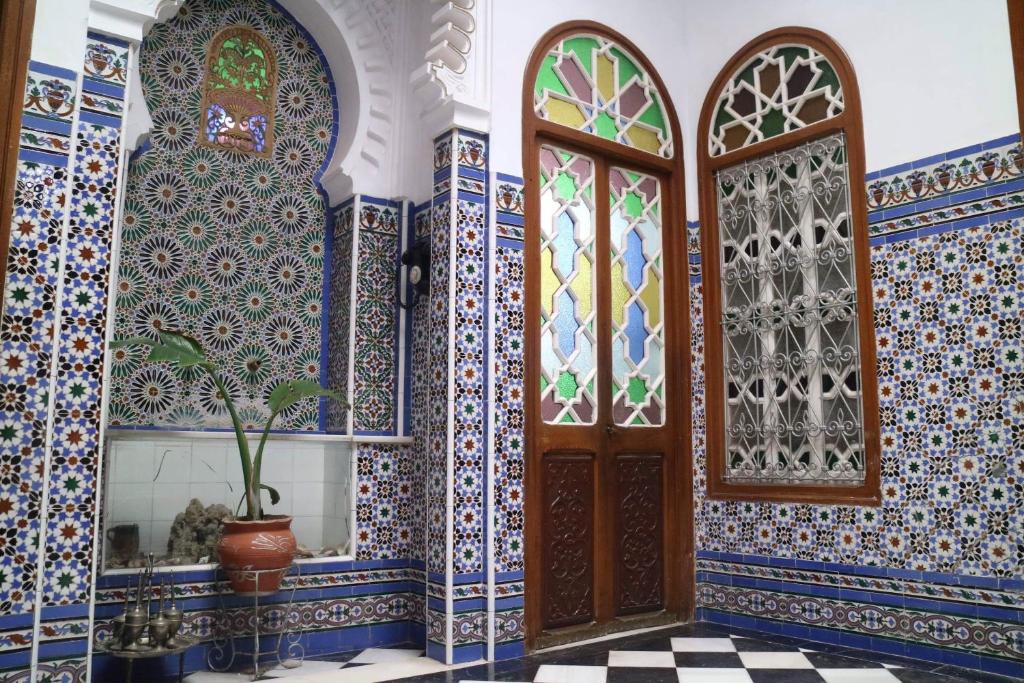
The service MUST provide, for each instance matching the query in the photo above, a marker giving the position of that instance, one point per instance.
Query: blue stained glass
(565, 323)
(636, 332)
(635, 260)
(564, 245)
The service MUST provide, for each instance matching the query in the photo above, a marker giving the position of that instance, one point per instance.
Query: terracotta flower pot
(248, 546)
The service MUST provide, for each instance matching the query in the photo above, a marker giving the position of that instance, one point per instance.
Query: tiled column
(75, 435)
(508, 319)
(458, 413)
(32, 290)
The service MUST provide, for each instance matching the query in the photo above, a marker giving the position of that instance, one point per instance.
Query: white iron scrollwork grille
(789, 319)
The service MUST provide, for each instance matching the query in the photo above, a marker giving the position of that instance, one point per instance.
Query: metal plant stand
(229, 644)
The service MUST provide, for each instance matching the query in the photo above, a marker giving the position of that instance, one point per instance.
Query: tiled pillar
(456, 559)
(507, 445)
(32, 289)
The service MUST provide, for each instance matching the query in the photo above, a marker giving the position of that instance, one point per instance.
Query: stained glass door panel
(568, 353)
(638, 330)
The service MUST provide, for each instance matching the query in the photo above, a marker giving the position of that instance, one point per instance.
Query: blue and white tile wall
(52, 337)
(936, 571)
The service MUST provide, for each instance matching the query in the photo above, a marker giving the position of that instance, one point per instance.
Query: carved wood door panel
(603, 436)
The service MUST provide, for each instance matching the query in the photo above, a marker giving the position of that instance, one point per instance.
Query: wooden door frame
(678, 466)
(16, 19)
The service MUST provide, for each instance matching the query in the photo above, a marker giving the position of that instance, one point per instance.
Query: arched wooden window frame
(848, 122)
(1015, 12)
(211, 54)
(679, 598)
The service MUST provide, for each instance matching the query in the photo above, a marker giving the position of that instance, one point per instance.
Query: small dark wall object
(124, 541)
(416, 259)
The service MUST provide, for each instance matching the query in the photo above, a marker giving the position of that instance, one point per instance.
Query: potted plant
(256, 541)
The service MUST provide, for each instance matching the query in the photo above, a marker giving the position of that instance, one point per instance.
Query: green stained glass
(590, 84)
(567, 386)
(781, 89)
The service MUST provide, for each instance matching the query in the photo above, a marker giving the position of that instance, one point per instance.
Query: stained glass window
(568, 355)
(790, 318)
(638, 337)
(239, 92)
(590, 84)
(781, 89)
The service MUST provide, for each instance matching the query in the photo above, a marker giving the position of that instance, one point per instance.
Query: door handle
(610, 429)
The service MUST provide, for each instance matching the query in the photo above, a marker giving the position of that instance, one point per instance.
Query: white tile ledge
(116, 434)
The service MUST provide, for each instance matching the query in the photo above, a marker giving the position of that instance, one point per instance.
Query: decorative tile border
(979, 165)
(339, 311)
(977, 635)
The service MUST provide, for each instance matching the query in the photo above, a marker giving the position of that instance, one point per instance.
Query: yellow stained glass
(565, 113)
(605, 77)
(651, 296)
(548, 281)
(620, 295)
(584, 294)
(644, 138)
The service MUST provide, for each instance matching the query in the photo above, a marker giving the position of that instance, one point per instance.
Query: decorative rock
(196, 531)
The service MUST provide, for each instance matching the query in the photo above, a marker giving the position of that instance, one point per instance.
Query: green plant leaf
(290, 392)
(178, 348)
(275, 497)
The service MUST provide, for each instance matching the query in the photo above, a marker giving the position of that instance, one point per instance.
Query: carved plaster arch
(354, 36)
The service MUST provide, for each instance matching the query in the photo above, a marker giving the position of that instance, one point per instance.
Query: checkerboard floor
(705, 653)
(694, 653)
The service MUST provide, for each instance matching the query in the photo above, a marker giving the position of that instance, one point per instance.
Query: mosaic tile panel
(385, 514)
(950, 375)
(934, 615)
(509, 368)
(228, 247)
(339, 305)
(75, 447)
(25, 360)
(419, 367)
(375, 394)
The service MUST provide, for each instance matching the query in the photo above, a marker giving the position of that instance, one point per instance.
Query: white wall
(934, 75)
(150, 478)
(59, 32)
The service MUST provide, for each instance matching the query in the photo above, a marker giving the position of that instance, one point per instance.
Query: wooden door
(605, 440)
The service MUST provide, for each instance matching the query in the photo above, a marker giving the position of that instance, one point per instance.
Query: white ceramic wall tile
(308, 498)
(308, 465)
(309, 531)
(209, 462)
(172, 463)
(132, 502)
(210, 493)
(131, 462)
(170, 500)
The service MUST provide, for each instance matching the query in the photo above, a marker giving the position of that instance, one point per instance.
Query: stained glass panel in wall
(590, 84)
(789, 319)
(638, 331)
(568, 355)
(781, 89)
(239, 92)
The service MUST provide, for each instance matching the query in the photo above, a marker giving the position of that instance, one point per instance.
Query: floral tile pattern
(977, 166)
(226, 246)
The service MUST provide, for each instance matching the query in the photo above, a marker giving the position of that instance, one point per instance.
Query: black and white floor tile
(695, 653)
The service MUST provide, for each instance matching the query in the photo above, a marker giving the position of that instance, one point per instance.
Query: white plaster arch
(351, 34)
